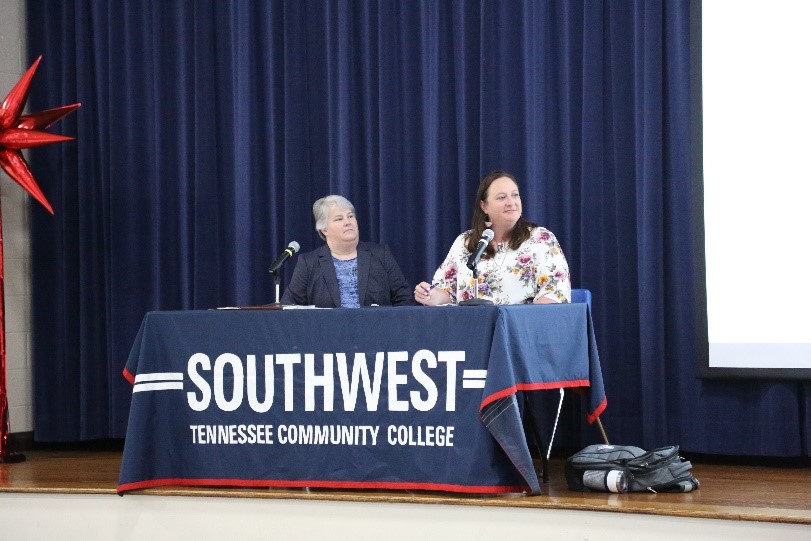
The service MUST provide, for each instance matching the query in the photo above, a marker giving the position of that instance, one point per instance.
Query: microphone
(473, 260)
(291, 249)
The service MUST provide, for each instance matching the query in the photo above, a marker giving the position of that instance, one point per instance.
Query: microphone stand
(277, 283)
(272, 306)
(476, 301)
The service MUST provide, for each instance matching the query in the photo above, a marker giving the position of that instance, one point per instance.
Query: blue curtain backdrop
(208, 128)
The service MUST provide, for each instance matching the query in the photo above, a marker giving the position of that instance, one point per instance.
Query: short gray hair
(322, 207)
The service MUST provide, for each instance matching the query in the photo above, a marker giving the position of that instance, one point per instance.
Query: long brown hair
(519, 233)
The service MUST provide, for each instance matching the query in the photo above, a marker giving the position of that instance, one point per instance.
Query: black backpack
(624, 468)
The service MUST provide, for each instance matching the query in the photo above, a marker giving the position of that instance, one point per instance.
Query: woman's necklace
(500, 249)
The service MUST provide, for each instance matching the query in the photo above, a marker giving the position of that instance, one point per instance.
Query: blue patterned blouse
(347, 271)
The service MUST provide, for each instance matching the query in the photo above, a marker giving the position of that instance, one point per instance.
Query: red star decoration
(19, 132)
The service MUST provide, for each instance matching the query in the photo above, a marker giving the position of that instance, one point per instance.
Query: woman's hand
(430, 296)
(545, 300)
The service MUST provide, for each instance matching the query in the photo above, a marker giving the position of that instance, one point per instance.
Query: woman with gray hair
(345, 272)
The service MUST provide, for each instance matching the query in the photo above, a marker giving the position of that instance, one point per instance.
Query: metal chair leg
(555, 427)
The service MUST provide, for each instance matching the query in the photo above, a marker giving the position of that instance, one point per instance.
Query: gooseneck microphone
(288, 252)
(473, 260)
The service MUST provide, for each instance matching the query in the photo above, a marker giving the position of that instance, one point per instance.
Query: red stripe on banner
(129, 377)
(594, 415)
(323, 484)
(533, 387)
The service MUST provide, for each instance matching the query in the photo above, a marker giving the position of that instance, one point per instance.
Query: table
(411, 398)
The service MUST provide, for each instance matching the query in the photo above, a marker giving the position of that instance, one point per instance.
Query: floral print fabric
(536, 269)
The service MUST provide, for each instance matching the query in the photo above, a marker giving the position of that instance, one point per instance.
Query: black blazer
(380, 280)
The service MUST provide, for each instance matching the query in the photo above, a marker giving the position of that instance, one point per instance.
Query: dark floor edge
(536, 502)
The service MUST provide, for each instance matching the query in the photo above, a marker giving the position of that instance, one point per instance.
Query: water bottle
(606, 480)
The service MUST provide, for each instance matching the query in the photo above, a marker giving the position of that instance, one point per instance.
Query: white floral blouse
(536, 269)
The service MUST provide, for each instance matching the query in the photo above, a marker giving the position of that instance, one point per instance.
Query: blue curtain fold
(208, 128)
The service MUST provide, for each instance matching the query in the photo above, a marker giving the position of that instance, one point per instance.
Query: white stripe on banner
(163, 386)
(473, 379)
(159, 376)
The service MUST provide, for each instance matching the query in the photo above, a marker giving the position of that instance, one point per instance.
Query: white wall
(16, 238)
(88, 517)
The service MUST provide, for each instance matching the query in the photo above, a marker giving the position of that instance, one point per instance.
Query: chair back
(582, 296)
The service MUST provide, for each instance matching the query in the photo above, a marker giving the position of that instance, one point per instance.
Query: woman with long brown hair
(523, 263)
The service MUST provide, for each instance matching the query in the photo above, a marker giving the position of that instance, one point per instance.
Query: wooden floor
(777, 493)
